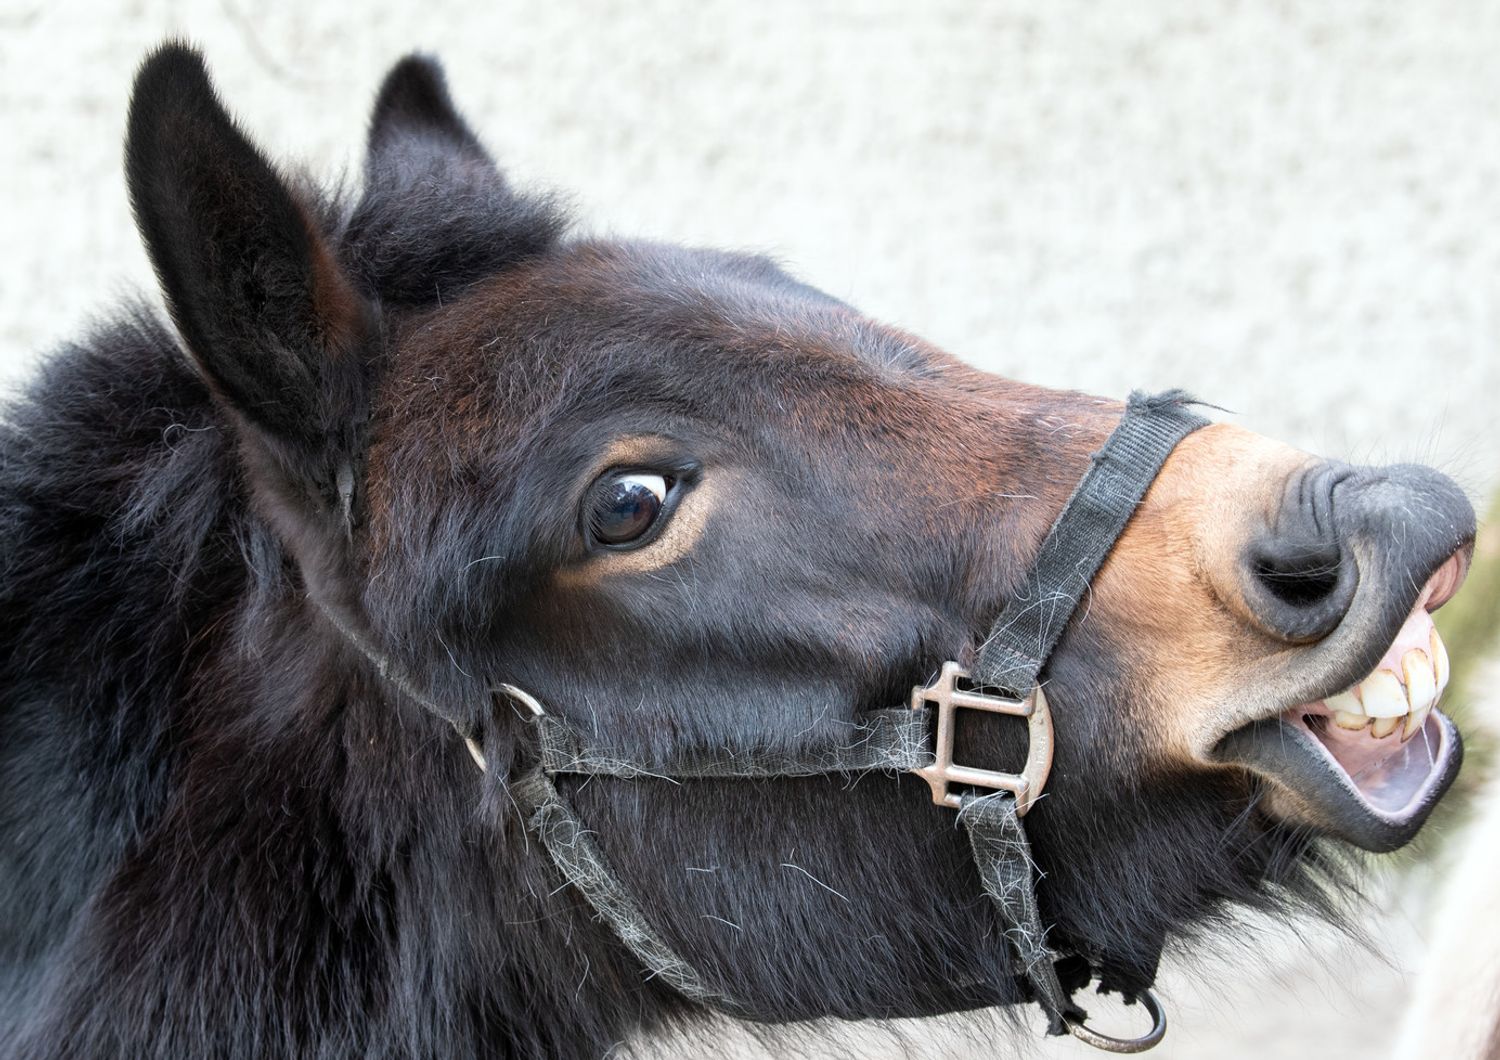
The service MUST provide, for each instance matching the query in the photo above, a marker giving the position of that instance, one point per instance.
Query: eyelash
(600, 494)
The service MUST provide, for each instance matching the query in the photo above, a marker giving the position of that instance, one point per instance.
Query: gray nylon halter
(895, 740)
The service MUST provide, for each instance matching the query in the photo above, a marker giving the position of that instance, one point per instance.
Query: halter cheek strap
(920, 740)
(1022, 638)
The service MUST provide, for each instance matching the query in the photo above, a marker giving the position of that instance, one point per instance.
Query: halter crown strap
(1022, 638)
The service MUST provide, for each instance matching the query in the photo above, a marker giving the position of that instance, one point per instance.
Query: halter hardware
(519, 695)
(1110, 1044)
(948, 698)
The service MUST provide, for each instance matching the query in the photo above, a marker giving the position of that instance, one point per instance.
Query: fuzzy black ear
(437, 214)
(254, 289)
(415, 122)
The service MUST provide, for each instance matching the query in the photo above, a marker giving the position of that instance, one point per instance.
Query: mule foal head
(696, 505)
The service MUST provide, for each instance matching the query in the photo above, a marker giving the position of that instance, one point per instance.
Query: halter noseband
(1005, 680)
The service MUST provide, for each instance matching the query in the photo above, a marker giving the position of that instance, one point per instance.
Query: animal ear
(255, 291)
(436, 214)
(415, 122)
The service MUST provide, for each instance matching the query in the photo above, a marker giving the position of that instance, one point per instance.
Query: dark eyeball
(624, 506)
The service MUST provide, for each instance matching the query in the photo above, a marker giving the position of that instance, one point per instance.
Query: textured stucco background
(1287, 208)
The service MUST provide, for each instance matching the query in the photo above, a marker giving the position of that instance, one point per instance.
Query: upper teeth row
(1386, 697)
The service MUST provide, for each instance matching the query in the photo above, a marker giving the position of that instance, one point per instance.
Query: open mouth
(1369, 763)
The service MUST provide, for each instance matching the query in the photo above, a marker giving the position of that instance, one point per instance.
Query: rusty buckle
(945, 695)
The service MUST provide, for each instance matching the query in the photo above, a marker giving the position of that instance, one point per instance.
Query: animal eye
(625, 505)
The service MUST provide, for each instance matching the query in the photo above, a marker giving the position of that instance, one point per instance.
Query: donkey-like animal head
(688, 501)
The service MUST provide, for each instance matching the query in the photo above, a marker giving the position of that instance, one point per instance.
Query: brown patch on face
(1170, 592)
(642, 451)
(338, 311)
(443, 405)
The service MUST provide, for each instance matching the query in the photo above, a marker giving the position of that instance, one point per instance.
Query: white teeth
(1421, 681)
(1414, 722)
(1382, 696)
(1345, 703)
(1394, 700)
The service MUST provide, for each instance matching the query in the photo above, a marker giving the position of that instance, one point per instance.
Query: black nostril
(1299, 587)
(1299, 581)
(1298, 575)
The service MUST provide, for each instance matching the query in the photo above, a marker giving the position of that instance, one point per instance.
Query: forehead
(543, 366)
(639, 320)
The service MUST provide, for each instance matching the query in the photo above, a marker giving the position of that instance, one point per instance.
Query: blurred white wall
(1288, 208)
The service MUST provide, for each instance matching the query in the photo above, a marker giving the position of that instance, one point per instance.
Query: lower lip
(1392, 778)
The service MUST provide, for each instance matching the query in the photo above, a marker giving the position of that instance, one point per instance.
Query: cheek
(1104, 734)
(1174, 644)
(863, 893)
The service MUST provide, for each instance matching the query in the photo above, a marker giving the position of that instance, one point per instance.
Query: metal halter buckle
(947, 697)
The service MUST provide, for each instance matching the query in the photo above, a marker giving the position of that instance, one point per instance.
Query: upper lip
(1352, 651)
(1445, 581)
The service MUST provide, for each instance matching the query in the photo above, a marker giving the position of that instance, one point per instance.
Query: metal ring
(520, 695)
(1149, 1040)
(525, 698)
(476, 754)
